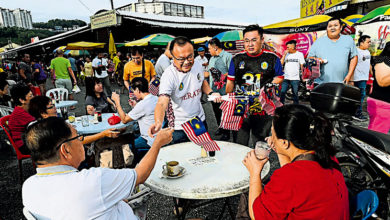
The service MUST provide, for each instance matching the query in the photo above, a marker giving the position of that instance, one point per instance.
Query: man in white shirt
(100, 64)
(293, 61)
(202, 59)
(163, 62)
(60, 191)
(142, 112)
(362, 71)
(180, 90)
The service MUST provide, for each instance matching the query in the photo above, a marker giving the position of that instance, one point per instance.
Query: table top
(99, 127)
(206, 178)
(66, 103)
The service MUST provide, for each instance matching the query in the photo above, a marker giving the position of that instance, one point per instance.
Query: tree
(59, 22)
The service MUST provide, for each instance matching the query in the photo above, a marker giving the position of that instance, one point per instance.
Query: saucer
(181, 173)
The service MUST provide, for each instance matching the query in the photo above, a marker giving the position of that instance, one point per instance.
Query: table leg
(180, 216)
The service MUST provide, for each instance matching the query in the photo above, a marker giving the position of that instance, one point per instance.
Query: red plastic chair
(19, 155)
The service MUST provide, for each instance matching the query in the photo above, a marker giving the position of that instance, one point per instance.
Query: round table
(66, 103)
(98, 127)
(206, 178)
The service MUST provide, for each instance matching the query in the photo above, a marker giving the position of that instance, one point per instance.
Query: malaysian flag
(234, 110)
(197, 133)
(269, 99)
(153, 87)
(233, 47)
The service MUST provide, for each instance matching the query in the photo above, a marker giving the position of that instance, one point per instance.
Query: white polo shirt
(143, 112)
(185, 90)
(62, 192)
(97, 62)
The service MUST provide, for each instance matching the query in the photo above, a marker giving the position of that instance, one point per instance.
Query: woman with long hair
(96, 99)
(309, 184)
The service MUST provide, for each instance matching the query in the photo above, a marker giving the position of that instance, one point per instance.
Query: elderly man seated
(60, 191)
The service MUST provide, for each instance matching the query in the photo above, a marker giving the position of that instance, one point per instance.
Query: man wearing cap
(202, 59)
(60, 191)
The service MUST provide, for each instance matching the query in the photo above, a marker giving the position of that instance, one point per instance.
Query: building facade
(15, 18)
(165, 8)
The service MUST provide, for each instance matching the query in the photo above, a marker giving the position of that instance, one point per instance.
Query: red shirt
(303, 190)
(17, 124)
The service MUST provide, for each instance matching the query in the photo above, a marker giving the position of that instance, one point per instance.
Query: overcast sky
(262, 12)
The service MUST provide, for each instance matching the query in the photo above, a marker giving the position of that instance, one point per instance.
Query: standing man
(202, 59)
(218, 68)
(181, 85)
(73, 65)
(362, 71)
(250, 69)
(142, 112)
(25, 70)
(163, 62)
(293, 61)
(336, 52)
(138, 67)
(61, 67)
(99, 64)
(116, 60)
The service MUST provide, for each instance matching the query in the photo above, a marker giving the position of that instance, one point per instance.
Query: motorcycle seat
(376, 139)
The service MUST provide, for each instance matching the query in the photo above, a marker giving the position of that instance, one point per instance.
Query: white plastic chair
(28, 214)
(60, 94)
(5, 110)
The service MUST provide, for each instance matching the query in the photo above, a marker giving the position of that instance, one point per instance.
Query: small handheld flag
(153, 87)
(234, 110)
(198, 134)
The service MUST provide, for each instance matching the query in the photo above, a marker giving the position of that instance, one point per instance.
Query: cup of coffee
(171, 168)
(262, 150)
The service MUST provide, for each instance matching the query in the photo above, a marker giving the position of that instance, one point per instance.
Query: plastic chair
(5, 110)
(366, 203)
(19, 155)
(60, 94)
(28, 214)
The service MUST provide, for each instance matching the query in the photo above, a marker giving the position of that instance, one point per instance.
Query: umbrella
(59, 48)
(229, 36)
(354, 18)
(83, 45)
(153, 39)
(111, 46)
(378, 14)
(300, 25)
(77, 52)
(200, 40)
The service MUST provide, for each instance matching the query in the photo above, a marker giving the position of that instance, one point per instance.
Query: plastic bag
(113, 120)
(76, 89)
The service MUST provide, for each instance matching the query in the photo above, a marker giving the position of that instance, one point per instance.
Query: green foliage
(59, 22)
(21, 36)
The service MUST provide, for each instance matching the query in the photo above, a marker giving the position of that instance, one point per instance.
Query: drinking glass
(71, 117)
(262, 150)
(85, 121)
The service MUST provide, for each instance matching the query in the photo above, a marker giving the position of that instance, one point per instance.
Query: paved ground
(161, 208)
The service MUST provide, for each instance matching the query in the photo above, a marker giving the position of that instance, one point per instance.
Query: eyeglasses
(80, 137)
(50, 107)
(190, 58)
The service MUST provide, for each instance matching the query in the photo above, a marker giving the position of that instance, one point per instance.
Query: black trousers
(256, 126)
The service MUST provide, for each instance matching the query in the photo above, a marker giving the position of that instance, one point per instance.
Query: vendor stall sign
(104, 19)
(310, 7)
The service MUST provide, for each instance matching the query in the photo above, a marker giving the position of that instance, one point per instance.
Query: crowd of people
(309, 182)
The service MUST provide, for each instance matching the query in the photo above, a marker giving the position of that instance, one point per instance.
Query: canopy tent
(72, 52)
(301, 25)
(83, 45)
(200, 40)
(376, 15)
(376, 25)
(354, 18)
(153, 40)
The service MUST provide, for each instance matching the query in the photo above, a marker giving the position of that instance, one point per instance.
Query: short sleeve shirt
(27, 70)
(185, 90)
(133, 70)
(116, 60)
(162, 63)
(99, 103)
(362, 70)
(72, 63)
(143, 113)
(100, 62)
(292, 65)
(338, 55)
(60, 66)
(303, 190)
(62, 192)
(221, 63)
(202, 61)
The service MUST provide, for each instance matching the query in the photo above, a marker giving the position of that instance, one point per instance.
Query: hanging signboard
(104, 19)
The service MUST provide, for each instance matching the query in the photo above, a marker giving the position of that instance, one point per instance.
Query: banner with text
(379, 33)
(104, 19)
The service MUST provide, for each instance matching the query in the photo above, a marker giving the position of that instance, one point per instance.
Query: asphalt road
(160, 207)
